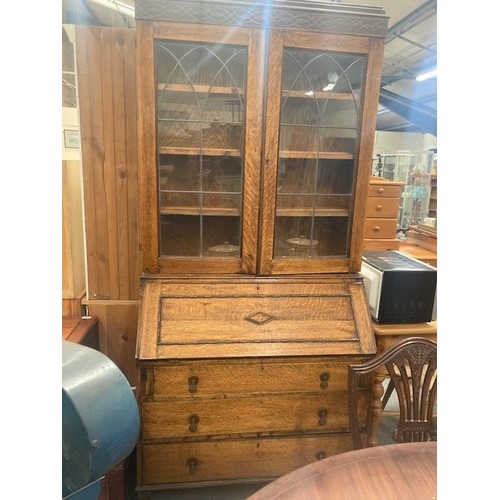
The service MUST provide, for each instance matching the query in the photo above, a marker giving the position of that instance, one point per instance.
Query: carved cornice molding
(311, 16)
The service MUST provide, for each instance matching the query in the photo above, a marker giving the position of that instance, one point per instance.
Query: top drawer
(381, 191)
(206, 378)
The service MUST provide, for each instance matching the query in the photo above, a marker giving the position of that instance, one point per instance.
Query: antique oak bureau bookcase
(256, 130)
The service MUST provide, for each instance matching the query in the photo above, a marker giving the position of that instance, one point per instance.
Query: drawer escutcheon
(193, 422)
(192, 383)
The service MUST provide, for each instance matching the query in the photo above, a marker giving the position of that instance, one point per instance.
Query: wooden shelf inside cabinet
(200, 89)
(337, 96)
(207, 211)
(322, 155)
(307, 212)
(196, 151)
(234, 212)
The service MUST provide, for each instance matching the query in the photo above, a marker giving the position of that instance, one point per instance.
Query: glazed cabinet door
(199, 145)
(317, 156)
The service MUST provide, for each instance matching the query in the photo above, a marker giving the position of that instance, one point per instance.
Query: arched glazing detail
(200, 128)
(320, 119)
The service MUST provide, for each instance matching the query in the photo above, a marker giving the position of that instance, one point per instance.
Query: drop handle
(192, 464)
(193, 422)
(322, 416)
(324, 378)
(192, 384)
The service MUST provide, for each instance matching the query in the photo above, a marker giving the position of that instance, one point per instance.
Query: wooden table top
(81, 330)
(405, 470)
(419, 253)
(414, 329)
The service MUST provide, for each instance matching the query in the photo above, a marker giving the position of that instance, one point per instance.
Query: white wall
(391, 142)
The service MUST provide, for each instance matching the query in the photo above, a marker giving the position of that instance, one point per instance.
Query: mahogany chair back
(412, 369)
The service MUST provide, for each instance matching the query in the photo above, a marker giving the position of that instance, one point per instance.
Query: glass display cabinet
(256, 124)
(414, 168)
(384, 165)
(235, 182)
(415, 199)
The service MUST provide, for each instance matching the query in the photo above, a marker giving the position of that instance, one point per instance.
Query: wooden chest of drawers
(246, 379)
(381, 214)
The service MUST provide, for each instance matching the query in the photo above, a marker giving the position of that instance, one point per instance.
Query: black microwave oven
(399, 289)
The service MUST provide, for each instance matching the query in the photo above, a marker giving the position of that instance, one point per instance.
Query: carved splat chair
(411, 366)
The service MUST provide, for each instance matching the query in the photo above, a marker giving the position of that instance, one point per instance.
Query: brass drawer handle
(193, 464)
(192, 383)
(324, 378)
(380, 190)
(322, 416)
(320, 455)
(193, 422)
(379, 207)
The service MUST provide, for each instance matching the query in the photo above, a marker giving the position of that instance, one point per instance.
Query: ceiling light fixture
(425, 76)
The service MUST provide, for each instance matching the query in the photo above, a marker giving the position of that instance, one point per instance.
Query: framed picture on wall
(71, 139)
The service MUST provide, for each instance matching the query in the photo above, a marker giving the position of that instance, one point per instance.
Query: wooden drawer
(381, 244)
(382, 207)
(244, 415)
(380, 191)
(250, 377)
(380, 228)
(235, 459)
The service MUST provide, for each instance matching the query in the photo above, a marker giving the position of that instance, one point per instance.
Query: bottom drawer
(230, 459)
(380, 228)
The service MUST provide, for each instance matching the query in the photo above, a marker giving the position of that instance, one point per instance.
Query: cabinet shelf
(322, 155)
(207, 211)
(200, 89)
(206, 89)
(235, 212)
(197, 151)
(300, 94)
(309, 212)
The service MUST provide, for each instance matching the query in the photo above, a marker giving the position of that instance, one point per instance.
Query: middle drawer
(258, 415)
(382, 207)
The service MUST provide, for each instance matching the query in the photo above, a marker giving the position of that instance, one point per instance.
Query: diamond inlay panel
(260, 318)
